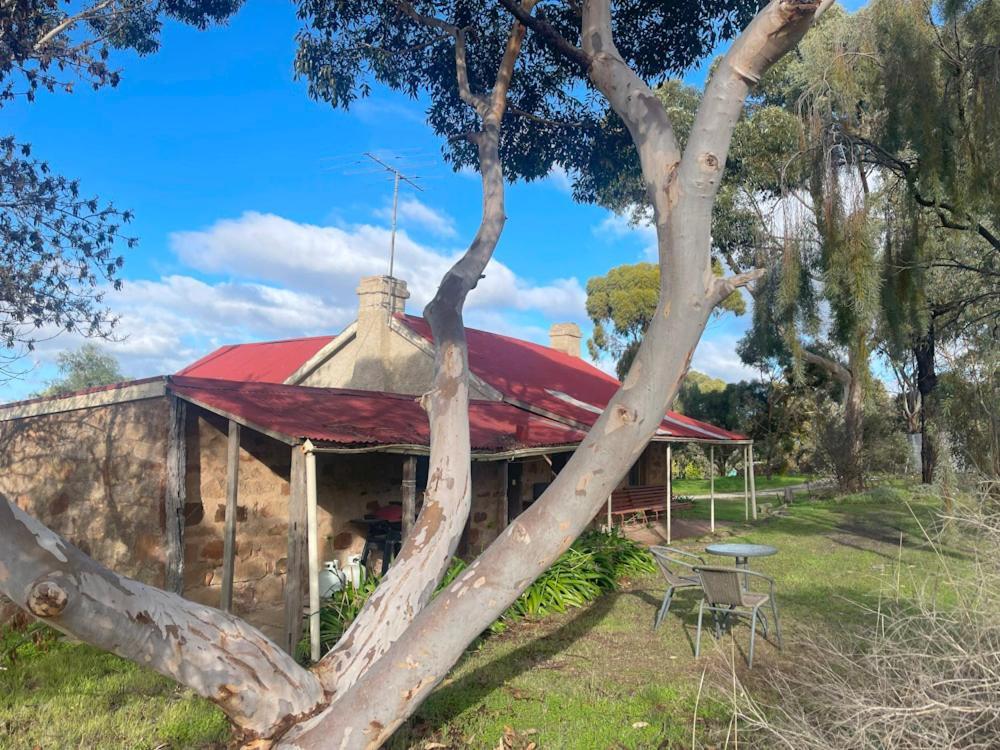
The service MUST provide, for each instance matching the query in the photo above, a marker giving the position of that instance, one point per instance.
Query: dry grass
(924, 673)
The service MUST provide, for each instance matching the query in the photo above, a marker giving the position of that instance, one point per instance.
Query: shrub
(595, 563)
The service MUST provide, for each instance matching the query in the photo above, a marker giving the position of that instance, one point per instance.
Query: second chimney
(565, 338)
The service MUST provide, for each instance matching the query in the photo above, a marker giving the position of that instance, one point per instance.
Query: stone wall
(261, 520)
(348, 487)
(97, 477)
(488, 515)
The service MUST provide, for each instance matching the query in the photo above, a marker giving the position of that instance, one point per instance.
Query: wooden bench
(641, 504)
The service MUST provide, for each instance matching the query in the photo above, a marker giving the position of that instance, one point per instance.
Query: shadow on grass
(452, 699)
(850, 524)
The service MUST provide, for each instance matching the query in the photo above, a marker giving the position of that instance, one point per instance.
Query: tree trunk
(851, 475)
(854, 480)
(927, 385)
(371, 689)
(427, 552)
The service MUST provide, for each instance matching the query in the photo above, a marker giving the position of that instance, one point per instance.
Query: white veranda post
(711, 485)
(670, 488)
(312, 531)
(753, 485)
(746, 483)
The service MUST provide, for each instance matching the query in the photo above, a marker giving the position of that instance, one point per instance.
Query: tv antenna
(398, 177)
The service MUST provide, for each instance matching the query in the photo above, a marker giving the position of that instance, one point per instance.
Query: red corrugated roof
(264, 362)
(352, 418)
(546, 379)
(527, 374)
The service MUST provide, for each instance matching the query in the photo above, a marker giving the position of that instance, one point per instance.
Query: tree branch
(392, 687)
(218, 655)
(840, 373)
(726, 286)
(427, 552)
(548, 33)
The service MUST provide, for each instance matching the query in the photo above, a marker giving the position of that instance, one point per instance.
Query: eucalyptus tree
(86, 367)
(61, 248)
(622, 303)
(508, 94)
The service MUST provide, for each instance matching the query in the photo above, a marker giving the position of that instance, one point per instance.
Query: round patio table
(742, 553)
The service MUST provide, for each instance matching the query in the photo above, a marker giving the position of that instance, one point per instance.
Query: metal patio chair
(678, 572)
(726, 598)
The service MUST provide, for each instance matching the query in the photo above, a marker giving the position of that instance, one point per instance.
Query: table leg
(744, 562)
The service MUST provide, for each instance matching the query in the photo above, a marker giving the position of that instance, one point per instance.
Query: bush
(595, 563)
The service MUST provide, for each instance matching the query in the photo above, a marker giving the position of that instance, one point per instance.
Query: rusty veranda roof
(365, 419)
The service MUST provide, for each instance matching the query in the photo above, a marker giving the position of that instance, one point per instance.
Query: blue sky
(254, 222)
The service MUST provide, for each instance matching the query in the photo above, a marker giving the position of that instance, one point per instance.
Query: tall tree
(621, 305)
(271, 699)
(926, 116)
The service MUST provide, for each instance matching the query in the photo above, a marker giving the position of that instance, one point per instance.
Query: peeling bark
(377, 677)
(368, 712)
(218, 655)
(428, 550)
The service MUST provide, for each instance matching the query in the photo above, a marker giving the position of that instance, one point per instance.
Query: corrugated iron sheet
(356, 419)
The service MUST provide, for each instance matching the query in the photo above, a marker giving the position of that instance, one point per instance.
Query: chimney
(565, 338)
(379, 298)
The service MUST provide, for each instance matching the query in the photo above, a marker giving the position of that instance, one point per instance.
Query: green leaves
(592, 565)
(622, 303)
(554, 118)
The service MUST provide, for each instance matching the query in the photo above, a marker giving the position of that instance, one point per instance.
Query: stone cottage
(205, 481)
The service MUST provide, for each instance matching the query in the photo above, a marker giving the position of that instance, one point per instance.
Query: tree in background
(491, 88)
(86, 367)
(621, 305)
(61, 247)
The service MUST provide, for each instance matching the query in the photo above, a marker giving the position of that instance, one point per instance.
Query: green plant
(25, 641)
(339, 611)
(592, 565)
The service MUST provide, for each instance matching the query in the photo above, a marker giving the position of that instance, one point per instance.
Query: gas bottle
(331, 579)
(354, 571)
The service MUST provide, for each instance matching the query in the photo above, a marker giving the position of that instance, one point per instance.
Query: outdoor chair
(679, 574)
(726, 598)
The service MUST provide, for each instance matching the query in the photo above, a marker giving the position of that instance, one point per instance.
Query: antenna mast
(397, 177)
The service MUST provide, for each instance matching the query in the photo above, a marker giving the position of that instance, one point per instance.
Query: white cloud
(716, 356)
(616, 228)
(328, 261)
(414, 212)
(263, 276)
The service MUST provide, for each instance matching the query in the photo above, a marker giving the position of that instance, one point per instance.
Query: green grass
(596, 677)
(600, 677)
(62, 695)
(735, 484)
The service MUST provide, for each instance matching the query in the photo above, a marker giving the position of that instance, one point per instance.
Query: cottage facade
(202, 481)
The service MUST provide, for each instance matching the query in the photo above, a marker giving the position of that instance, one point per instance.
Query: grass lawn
(735, 484)
(59, 695)
(594, 677)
